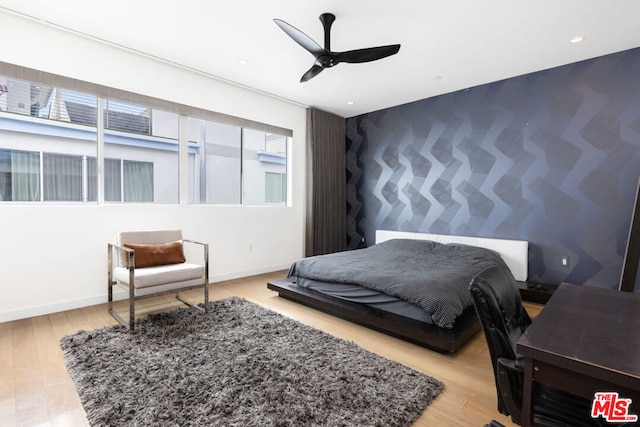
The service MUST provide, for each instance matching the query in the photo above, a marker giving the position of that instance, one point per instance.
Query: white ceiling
(446, 45)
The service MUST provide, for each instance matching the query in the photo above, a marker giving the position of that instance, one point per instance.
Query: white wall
(54, 257)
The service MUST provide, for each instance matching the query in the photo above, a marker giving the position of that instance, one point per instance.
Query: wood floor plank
(36, 389)
(7, 374)
(25, 354)
(27, 374)
(8, 409)
(60, 324)
(31, 408)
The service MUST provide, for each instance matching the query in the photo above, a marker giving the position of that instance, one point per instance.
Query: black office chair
(498, 305)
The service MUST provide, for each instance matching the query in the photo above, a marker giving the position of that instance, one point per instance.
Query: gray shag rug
(238, 365)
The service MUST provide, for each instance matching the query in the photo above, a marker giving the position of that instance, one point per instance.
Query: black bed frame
(414, 331)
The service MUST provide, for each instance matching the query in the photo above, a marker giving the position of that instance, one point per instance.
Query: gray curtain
(326, 229)
(25, 168)
(62, 177)
(137, 181)
(112, 180)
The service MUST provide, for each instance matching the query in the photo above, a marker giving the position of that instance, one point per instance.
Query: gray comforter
(431, 275)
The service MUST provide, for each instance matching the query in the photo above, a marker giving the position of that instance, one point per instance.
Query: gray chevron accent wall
(551, 157)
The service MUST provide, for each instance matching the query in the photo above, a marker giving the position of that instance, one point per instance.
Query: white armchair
(151, 263)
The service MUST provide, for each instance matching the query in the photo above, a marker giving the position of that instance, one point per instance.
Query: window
(264, 156)
(275, 187)
(71, 178)
(234, 165)
(128, 181)
(214, 164)
(50, 139)
(19, 176)
(146, 140)
(47, 136)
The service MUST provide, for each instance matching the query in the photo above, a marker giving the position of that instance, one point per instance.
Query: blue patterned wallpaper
(551, 157)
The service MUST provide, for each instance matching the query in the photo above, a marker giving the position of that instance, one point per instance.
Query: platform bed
(414, 331)
(514, 253)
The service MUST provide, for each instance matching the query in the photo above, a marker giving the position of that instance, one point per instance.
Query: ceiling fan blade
(301, 38)
(313, 71)
(368, 54)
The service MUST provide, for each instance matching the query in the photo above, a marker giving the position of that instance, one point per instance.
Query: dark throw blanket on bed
(431, 275)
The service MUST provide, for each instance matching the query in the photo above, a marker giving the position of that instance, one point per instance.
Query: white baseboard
(118, 295)
(40, 310)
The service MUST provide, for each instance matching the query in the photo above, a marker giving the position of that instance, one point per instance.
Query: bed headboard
(515, 253)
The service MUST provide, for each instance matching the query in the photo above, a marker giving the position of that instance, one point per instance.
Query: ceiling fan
(326, 58)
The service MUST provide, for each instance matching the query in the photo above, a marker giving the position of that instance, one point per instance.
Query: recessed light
(243, 61)
(576, 39)
(350, 102)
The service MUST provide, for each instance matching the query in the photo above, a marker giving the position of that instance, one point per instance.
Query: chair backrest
(498, 305)
(145, 237)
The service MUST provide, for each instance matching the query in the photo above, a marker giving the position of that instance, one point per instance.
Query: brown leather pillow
(157, 254)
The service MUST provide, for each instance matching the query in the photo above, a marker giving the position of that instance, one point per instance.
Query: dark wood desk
(584, 340)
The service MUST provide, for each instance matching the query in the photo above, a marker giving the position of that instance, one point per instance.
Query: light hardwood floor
(36, 390)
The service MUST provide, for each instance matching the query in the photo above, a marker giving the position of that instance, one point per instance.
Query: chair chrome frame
(130, 253)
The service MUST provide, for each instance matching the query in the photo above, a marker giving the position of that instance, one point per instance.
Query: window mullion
(241, 167)
(85, 180)
(201, 166)
(183, 159)
(122, 180)
(100, 168)
(41, 176)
